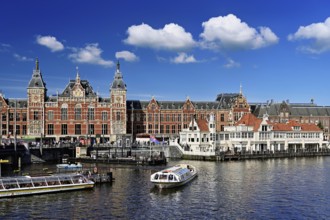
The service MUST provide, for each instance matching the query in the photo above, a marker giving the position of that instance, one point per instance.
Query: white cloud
(229, 32)
(4, 47)
(231, 64)
(50, 42)
(319, 33)
(126, 55)
(90, 54)
(183, 58)
(171, 37)
(22, 58)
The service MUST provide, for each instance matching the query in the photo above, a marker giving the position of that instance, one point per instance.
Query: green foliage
(320, 125)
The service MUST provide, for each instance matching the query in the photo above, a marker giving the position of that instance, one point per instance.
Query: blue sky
(275, 49)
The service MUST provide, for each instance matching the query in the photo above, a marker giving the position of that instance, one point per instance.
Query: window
(50, 115)
(156, 128)
(117, 116)
(173, 129)
(173, 117)
(24, 130)
(104, 128)
(222, 128)
(50, 129)
(35, 115)
(77, 129)
(264, 127)
(185, 117)
(4, 117)
(91, 129)
(77, 112)
(179, 117)
(24, 116)
(18, 130)
(161, 128)
(167, 117)
(90, 113)
(104, 116)
(4, 128)
(222, 117)
(18, 117)
(11, 129)
(64, 113)
(11, 116)
(150, 128)
(179, 128)
(156, 117)
(161, 117)
(149, 117)
(64, 129)
(167, 129)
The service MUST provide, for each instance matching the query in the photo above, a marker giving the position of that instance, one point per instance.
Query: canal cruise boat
(27, 185)
(174, 176)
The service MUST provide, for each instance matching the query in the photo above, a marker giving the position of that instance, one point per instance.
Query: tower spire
(37, 64)
(118, 65)
(240, 89)
(77, 76)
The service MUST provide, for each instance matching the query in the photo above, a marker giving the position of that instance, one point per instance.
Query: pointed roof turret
(118, 82)
(36, 80)
(77, 76)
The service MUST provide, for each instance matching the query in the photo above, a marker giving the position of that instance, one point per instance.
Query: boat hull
(41, 190)
(168, 185)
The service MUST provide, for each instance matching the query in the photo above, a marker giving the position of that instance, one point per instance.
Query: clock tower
(118, 105)
(36, 92)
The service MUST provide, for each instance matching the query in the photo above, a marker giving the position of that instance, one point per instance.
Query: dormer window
(264, 128)
(296, 128)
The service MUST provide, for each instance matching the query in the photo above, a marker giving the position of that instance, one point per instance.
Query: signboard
(78, 151)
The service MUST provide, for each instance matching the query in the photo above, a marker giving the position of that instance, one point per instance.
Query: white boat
(69, 166)
(174, 176)
(26, 185)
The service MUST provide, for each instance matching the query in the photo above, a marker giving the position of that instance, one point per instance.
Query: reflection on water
(276, 189)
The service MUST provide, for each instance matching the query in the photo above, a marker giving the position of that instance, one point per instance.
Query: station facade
(79, 113)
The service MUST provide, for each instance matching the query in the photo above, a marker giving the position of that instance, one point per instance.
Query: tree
(320, 125)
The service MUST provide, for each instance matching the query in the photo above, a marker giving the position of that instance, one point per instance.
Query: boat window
(170, 177)
(156, 177)
(175, 179)
(163, 177)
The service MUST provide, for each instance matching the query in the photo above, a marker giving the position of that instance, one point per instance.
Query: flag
(153, 139)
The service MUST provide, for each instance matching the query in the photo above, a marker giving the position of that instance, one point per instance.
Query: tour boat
(174, 176)
(69, 167)
(27, 185)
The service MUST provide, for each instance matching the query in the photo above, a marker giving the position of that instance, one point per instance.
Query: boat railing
(33, 182)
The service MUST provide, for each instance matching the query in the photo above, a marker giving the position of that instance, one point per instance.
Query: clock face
(77, 93)
(118, 99)
(35, 98)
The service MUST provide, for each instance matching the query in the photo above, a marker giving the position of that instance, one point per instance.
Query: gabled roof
(250, 120)
(84, 83)
(203, 125)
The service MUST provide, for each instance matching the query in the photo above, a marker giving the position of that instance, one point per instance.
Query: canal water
(271, 189)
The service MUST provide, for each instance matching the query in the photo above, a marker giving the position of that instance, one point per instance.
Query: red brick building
(79, 113)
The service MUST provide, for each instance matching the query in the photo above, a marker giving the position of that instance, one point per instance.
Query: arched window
(77, 112)
(118, 116)
(90, 113)
(64, 111)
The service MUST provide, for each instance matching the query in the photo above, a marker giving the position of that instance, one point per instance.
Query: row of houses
(251, 135)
